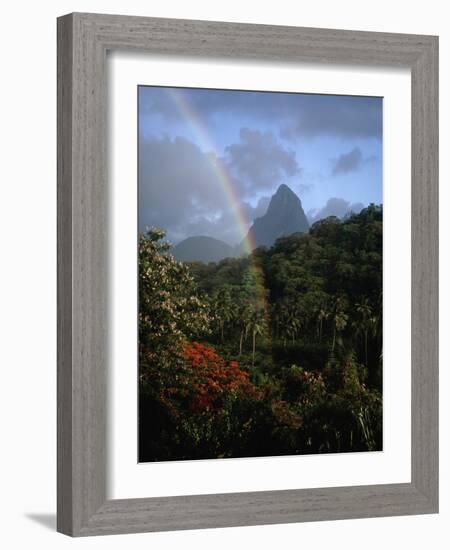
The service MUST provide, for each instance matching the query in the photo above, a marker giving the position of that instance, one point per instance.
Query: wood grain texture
(83, 40)
(257, 508)
(424, 276)
(64, 251)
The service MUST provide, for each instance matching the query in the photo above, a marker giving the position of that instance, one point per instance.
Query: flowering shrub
(170, 308)
(213, 379)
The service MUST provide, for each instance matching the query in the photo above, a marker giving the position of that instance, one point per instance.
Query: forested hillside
(279, 352)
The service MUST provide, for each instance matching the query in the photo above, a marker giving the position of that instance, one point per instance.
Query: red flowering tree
(214, 380)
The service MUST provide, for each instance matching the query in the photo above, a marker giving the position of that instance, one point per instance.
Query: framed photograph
(247, 274)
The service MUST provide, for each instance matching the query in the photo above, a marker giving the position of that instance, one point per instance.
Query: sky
(209, 160)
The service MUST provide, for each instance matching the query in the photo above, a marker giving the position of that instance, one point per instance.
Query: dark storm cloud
(259, 160)
(298, 115)
(335, 207)
(336, 116)
(179, 190)
(175, 183)
(206, 103)
(347, 162)
(350, 162)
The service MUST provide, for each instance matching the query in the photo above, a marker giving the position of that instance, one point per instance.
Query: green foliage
(169, 306)
(302, 319)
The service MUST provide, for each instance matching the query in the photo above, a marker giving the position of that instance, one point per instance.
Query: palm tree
(340, 322)
(289, 320)
(294, 324)
(223, 309)
(256, 325)
(339, 319)
(243, 315)
(322, 316)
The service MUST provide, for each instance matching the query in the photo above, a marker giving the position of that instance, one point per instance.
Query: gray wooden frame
(83, 40)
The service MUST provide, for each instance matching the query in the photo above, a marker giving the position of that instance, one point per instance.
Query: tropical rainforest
(278, 352)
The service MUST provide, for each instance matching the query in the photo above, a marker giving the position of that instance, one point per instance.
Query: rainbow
(187, 111)
(189, 114)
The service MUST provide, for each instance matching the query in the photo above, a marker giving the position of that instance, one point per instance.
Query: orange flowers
(214, 379)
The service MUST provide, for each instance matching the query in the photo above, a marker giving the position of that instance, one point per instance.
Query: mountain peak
(285, 202)
(284, 216)
(284, 189)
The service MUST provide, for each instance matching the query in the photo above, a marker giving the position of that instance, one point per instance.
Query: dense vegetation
(276, 353)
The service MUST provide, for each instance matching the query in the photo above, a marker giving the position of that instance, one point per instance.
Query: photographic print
(260, 271)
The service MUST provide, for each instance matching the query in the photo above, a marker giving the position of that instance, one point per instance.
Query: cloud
(177, 184)
(180, 190)
(347, 162)
(350, 162)
(303, 188)
(261, 208)
(335, 207)
(298, 115)
(223, 227)
(336, 116)
(259, 160)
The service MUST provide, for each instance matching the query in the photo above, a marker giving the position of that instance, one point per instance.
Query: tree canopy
(279, 352)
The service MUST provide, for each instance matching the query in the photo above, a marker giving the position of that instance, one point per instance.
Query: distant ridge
(202, 249)
(284, 216)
